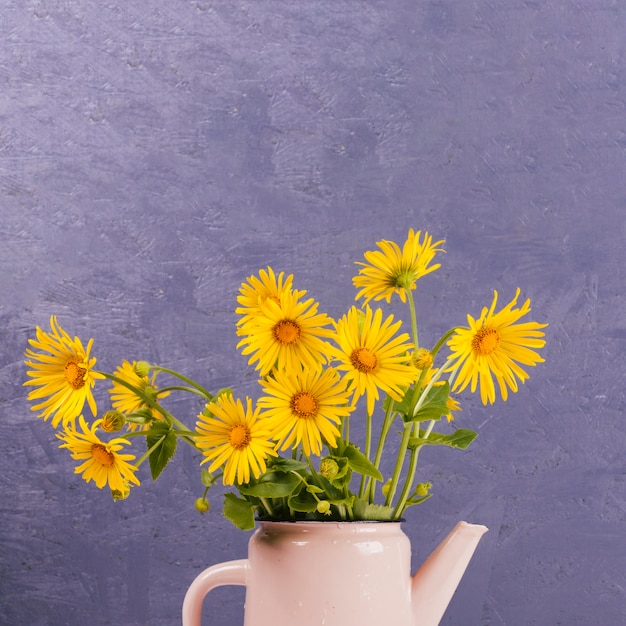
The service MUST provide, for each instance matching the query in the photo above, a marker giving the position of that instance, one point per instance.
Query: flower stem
(409, 293)
(388, 420)
(368, 449)
(150, 451)
(153, 404)
(408, 483)
(404, 444)
(189, 381)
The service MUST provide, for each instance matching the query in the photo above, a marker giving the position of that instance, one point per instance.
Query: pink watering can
(339, 574)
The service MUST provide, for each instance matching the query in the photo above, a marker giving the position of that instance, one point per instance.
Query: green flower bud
(329, 468)
(202, 505)
(386, 487)
(142, 368)
(323, 507)
(112, 421)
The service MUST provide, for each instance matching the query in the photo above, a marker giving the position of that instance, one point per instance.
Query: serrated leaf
(281, 464)
(360, 463)
(460, 439)
(370, 512)
(164, 441)
(434, 406)
(271, 485)
(239, 511)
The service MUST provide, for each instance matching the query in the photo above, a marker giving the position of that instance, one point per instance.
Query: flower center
(286, 332)
(74, 374)
(485, 341)
(102, 455)
(304, 404)
(364, 360)
(239, 436)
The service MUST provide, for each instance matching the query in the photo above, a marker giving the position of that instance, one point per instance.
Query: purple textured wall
(153, 153)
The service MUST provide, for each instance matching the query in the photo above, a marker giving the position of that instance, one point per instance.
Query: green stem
(153, 404)
(150, 451)
(429, 386)
(368, 449)
(404, 444)
(388, 420)
(409, 293)
(408, 483)
(162, 390)
(185, 379)
(268, 506)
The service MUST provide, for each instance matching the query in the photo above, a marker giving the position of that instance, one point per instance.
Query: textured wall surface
(154, 153)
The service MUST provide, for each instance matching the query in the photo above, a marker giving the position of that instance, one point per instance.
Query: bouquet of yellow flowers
(289, 454)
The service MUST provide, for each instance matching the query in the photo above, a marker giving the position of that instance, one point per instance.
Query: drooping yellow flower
(305, 407)
(62, 371)
(494, 346)
(391, 270)
(257, 289)
(288, 335)
(102, 461)
(373, 356)
(125, 400)
(235, 437)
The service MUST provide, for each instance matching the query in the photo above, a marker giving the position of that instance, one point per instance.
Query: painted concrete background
(154, 153)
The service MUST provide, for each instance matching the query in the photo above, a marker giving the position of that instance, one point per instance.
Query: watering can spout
(435, 582)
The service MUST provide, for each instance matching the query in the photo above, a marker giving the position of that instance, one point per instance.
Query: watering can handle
(228, 573)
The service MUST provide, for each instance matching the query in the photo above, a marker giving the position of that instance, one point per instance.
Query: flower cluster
(289, 453)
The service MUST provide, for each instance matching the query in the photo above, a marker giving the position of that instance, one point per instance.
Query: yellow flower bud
(329, 468)
(112, 421)
(385, 488)
(423, 488)
(323, 506)
(202, 505)
(422, 359)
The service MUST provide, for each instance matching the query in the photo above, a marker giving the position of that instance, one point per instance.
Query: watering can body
(338, 573)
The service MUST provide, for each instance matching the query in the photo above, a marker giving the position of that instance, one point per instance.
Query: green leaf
(434, 406)
(399, 406)
(271, 485)
(164, 441)
(304, 502)
(281, 464)
(460, 439)
(239, 511)
(360, 463)
(365, 511)
(207, 478)
(417, 500)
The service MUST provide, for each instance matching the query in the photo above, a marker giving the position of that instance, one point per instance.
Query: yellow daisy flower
(125, 400)
(495, 346)
(391, 270)
(62, 371)
(286, 335)
(102, 461)
(229, 434)
(257, 289)
(373, 356)
(304, 407)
